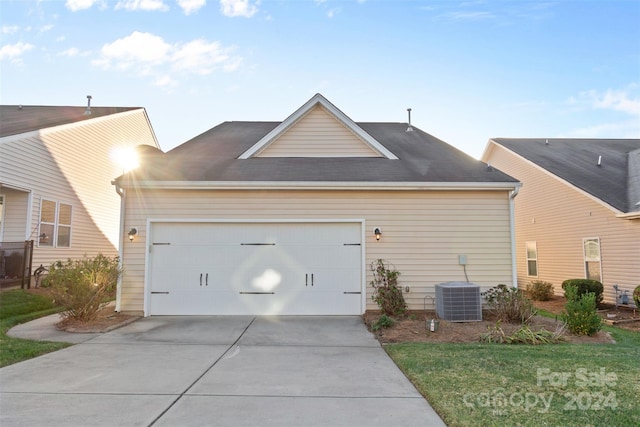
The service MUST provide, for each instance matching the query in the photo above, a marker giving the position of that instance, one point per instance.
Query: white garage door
(255, 268)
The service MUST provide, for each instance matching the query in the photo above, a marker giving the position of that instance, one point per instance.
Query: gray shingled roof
(213, 157)
(16, 119)
(616, 181)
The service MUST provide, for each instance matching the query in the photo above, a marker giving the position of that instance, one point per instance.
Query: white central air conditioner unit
(458, 302)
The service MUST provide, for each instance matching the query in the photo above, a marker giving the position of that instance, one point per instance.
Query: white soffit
(300, 112)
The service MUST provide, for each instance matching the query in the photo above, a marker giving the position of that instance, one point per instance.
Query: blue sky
(469, 70)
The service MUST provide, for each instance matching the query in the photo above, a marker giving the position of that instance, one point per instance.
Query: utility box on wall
(458, 302)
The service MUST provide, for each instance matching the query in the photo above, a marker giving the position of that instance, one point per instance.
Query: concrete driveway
(222, 371)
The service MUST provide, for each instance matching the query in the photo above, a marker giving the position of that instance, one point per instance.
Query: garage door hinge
(352, 293)
(351, 244)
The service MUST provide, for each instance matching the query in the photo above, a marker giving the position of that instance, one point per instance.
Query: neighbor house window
(55, 224)
(592, 264)
(532, 259)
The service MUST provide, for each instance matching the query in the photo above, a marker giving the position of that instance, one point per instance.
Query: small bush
(580, 312)
(386, 292)
(636, 296)
(83, 286)
(509, 304)
(539, 290)
(383, 321)
(524, 335)
(585, 286)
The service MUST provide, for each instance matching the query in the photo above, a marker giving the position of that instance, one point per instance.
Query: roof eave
(318, 185)
(629, 215)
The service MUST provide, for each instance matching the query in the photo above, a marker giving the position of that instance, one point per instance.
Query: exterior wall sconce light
(377, 232)
(132, 232)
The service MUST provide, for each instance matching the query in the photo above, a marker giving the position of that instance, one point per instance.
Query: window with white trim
(592, 262)
(532, 259)
(55, 224)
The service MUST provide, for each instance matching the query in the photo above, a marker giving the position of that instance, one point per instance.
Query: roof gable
(300, 136)
(18, 119)
(604, 168)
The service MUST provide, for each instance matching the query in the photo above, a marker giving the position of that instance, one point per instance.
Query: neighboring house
(280, 218)
(56, 168)
(578, 212)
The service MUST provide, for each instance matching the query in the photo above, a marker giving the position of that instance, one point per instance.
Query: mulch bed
(415, 327)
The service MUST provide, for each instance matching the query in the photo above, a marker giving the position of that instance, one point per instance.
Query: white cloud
(238, 8)
(147, 54)
(200, 56)
(147, 5)
(15, 51)
(138, 50)
(76, 5)
(10, 29)
(164, 81)
(46, 28)
(625, 100)
(622, 129)
(333, 12)
(470, 16)
(71, 52)
(190, 6)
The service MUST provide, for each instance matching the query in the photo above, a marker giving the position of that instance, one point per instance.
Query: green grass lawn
(522, 385)
(19, 306)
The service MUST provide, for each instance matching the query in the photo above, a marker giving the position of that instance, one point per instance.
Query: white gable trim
(300, 112)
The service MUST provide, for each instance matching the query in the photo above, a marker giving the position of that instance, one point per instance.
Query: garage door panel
(256, 269)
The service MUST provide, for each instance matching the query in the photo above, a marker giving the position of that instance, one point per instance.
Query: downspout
(512, 230)
(122, 193)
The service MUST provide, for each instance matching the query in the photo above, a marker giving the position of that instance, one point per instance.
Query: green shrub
(539, 290)
(383, 321)
(386, 292)
(580, 312)
(636, 296)
(509, 304)
(83, 286)
(585, 286)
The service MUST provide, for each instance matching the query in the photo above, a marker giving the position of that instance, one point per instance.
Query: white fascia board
(292, 185)
(629, 215)
(293, 118)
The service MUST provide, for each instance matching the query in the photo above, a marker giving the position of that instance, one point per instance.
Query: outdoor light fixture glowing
(377, 232)
(132, 232)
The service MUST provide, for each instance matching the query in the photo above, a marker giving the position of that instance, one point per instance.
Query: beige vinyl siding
(14, 221)
(318, 134)
(72, 164)
(423, 231)
(558, 217)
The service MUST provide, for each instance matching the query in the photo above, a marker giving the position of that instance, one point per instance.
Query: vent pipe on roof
(599, 161)
(87, 111)
(409, 129)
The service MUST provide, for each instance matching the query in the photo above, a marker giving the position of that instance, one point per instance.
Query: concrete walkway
(223, 371)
